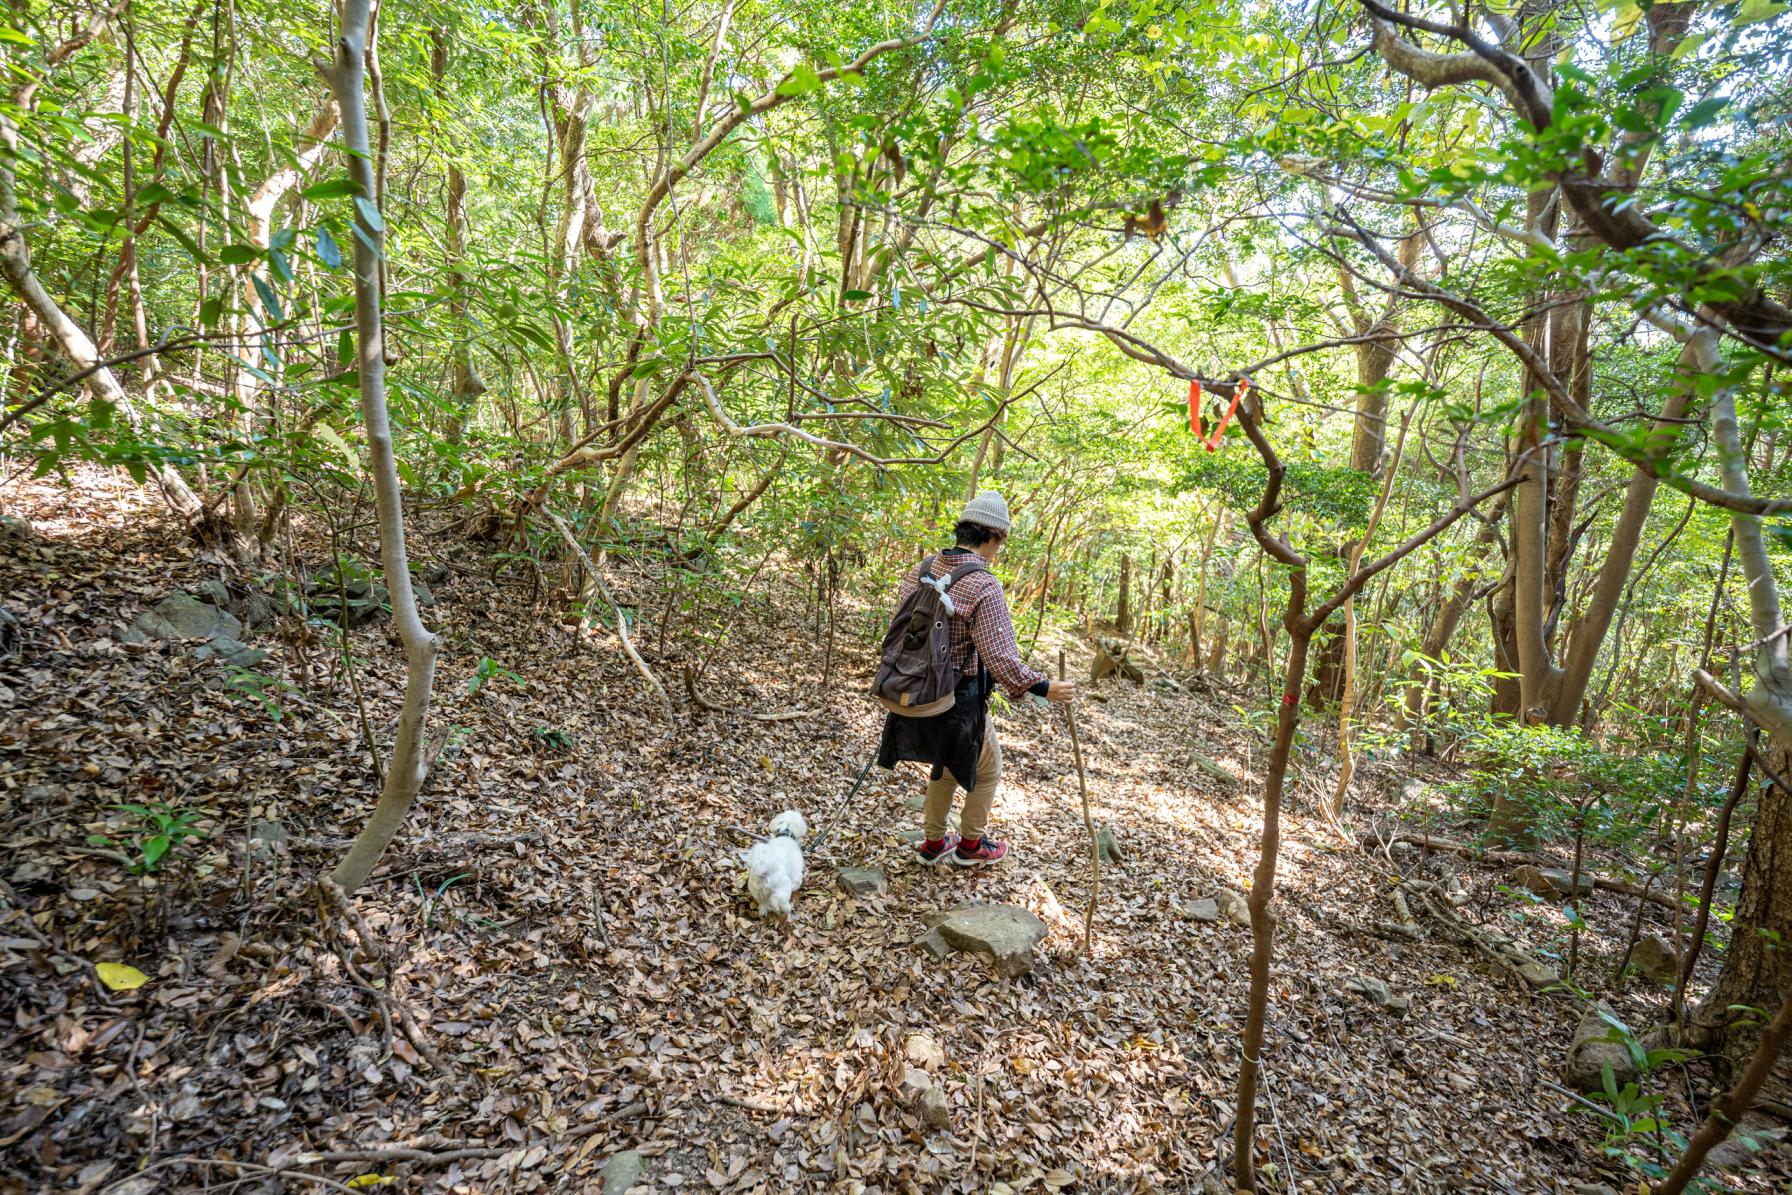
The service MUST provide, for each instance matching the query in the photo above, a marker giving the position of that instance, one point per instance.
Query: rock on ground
(623, 1171)
(924, 1052)
(935, 1112)
(1655, 959)
(1591, 1051)
(183, 616)
(1006, 933)
(1233, 907)
(863, 881)
(1205, 909)
(1107, 846)
(1550, 881)
(1370, 988)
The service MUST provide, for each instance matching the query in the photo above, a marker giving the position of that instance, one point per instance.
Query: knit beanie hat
(987, 510)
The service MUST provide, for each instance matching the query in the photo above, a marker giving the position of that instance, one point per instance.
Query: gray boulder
(182, 616)
(623, 1171)
(1537, 973)
(1377, 992)
(936, 1113)
(231, 652)
(1005, 933)
(1233, 907)
(863, 881)
(1593, 1049)
(1107, 846)
(1205, 909)
(1655, 959)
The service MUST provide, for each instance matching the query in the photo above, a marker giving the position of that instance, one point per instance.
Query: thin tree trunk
(1123, 617)
(1347, 685)
(466, 384)
(1588, 633)
(1757, 971)
(407, 768)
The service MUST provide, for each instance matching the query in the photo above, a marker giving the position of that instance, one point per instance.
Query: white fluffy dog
(775, 866)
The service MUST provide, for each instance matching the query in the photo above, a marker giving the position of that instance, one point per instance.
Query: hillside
(558, 962)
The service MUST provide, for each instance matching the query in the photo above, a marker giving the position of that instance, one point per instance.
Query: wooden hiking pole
(1082, 787)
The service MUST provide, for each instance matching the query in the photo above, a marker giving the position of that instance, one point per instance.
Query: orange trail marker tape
(1212, 443)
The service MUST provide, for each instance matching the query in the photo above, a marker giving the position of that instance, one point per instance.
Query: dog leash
(841, 808)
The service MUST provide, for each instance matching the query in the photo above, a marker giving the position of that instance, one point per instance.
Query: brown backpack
(918, 674)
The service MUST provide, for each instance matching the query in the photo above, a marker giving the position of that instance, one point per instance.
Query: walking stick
(1082, 786)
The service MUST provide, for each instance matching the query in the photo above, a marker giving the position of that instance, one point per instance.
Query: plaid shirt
(981, 625)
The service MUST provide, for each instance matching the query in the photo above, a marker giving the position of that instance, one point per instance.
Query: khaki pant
(976, 802)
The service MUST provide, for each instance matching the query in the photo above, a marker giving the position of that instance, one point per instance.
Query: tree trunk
(1589, 631)
(75, 344)
(1123, 618)
(466, 384)
(1757, 970)
(407, 768)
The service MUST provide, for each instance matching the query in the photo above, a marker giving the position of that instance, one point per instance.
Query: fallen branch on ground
(1469, 850)
(703, 703)
(597, 579)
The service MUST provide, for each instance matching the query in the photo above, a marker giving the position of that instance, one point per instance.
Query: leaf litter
(556, 962)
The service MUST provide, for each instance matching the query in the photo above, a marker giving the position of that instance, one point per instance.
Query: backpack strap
(976, 565)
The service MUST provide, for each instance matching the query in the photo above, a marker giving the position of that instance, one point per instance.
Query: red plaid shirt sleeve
(992, 631)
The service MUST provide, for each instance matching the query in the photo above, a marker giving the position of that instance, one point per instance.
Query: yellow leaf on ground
(361, 1181)
(120, 977)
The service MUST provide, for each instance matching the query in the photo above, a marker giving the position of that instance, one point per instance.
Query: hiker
(949, 638)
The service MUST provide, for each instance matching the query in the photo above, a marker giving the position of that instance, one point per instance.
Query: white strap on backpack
(940, 585)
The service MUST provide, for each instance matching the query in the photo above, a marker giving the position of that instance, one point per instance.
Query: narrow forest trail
(731, 1056)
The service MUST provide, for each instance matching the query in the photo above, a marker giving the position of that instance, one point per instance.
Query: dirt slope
(563, 930)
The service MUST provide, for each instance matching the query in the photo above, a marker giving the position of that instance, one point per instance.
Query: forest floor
(557, 960)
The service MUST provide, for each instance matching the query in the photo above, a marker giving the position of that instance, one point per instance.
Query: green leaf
(1704, 112)
(328, 251)
(370, 215)
(238, 255)
(1753, 12)
(801, 81)
(856, 296)
(269, 300)
(332, 188)
(211, 311)
(154, 847)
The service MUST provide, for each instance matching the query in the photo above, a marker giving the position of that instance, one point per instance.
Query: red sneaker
(982, 853)
(931, 853)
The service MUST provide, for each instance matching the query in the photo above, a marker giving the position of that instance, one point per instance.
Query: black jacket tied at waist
(948, 742)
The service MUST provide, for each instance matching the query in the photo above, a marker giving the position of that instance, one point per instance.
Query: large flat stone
(1550, 881)
(1005, 933)
(863, 881)
(182, 616)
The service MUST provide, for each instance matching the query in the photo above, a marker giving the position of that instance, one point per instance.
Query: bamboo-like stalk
(1082, 787)
(408, 768)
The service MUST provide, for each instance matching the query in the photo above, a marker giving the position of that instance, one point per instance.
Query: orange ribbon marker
(1212, 443)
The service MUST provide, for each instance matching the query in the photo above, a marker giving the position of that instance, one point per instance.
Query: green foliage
(551, 738)
(1634, 1116)
(161, 830)
(1565, 781)
(487, 671)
